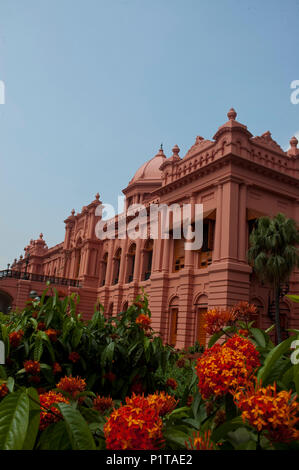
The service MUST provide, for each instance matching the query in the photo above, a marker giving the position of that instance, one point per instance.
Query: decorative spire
(41, 236)
(73, 212)
(97, 196)
(232, 114)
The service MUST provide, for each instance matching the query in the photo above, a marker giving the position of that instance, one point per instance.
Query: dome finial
(41, 236)
(97, 196)
(232, 114)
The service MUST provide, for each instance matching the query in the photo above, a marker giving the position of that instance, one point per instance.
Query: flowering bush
(109, 383)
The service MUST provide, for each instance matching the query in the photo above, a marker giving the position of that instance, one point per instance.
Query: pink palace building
(237, 177)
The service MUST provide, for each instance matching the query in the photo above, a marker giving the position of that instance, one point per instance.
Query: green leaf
(10, 383)
(55, 437)
(273, 357)
(259, 337)
(34, 419)
(107, 354)
(175, 438)
(216, 336)
(14, 419)
(221, 431)
(77, 428)
(294, 298)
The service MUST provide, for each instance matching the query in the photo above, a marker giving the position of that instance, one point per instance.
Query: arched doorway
(201, 307)
(5, 302)
(173, 320)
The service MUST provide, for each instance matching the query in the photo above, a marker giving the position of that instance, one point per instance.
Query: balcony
(12, 274)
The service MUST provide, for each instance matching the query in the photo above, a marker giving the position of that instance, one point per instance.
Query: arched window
(131, 262)
(125, 306)
(201, 307)
(116, 266)
(104, 268)
(148, 260)
(173, 320)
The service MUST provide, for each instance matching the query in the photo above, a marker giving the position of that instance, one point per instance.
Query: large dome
(150, 170)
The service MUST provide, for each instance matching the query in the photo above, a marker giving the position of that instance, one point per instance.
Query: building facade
(237, 177)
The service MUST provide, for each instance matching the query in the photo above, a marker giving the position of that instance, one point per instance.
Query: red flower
(72, 385)
(143, 321)
(56, 368)
(134, 426)
(172, 383)
(3, 390)
(163, 402)
(74, 357)
(41, 325)
(276, 413)
(49, 413)
(32, 367)
(52, 334)
(200, 442)
(15, 338)
(223, 369)
(102, 404)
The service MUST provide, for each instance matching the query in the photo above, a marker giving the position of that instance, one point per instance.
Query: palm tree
(273, 254)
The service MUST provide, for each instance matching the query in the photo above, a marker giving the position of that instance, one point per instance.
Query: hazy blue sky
(94, 86)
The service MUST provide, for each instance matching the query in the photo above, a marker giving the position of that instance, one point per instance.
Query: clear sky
(94, 86)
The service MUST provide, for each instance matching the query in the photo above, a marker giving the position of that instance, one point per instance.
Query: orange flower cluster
(172, 383)
(52, 334)
(15, 338)
(223, 369)
(244, 311)
(3, 390)
(72, 385)
(49, 413)
(134, 426)
(74, 357)
(216, 319)
(102, 404)
(32, 367)
(163, 402)
(143, 321)
(56, 368)
(271, 411)
(200, 442)
(246, 347)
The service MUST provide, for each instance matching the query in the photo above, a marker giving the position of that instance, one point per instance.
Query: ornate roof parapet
(267, 141)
